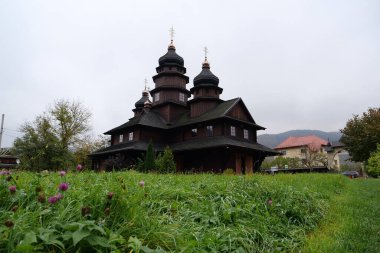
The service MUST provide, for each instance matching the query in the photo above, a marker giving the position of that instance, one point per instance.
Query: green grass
(173, 213)
(353, 221)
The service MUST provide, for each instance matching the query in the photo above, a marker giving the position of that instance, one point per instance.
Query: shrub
(373, 164)
(165, 162)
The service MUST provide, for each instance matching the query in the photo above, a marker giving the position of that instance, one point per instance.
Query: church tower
(170, 94)
(205, 91)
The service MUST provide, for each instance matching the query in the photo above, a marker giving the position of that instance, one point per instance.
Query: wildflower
(41, 197)
(9, 223)
(59, 196)
(110, 195)
(63, 186)
(270, 202)
(5, 172)
(62, 173)
(79, 167)
(107, 211)
(86, 210)
(12, 188)
(53, 199)
(142, 183)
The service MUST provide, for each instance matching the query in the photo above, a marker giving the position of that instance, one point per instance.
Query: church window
(157, 97)
(194, 132)
(181, 97)
(130, 137)
(209, 131)
(246, 134)
(233, 131)
(121, 138)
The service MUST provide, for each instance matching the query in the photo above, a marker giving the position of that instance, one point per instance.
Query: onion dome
(143, 99)
(171, 57)
(206, 76)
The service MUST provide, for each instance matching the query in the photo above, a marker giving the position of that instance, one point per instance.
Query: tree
(71, 120)
(373, 165)
(314, 156)
(86, 146)
(39, 148)
(362, 134)
(149, 158)
(165, 162)
(48, 142)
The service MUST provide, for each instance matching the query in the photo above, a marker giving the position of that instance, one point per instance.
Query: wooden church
(204, 132)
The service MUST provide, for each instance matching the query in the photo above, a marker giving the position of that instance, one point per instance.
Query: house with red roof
(301, 147)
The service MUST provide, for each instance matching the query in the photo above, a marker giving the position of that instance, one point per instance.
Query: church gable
(239, 111)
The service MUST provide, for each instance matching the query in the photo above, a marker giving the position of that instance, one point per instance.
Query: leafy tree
(362, 134)
(165, 162)
(71, 120)
(373, 165)
(48, 142)
(149, 158)
(39, 148)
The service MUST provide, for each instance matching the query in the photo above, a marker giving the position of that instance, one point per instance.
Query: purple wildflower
(62, 173)
(63, 186)
(79, 167)
(53, 199)
(12, 188)
(5, 172)
(142, 183)
(270, 202)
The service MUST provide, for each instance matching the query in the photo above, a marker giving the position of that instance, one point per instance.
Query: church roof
(153, 119)
(219, 141)
(201, 143)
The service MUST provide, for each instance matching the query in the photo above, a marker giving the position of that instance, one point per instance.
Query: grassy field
(129, 211)
(353, 221)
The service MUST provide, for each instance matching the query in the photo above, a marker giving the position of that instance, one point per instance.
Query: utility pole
(1, 129)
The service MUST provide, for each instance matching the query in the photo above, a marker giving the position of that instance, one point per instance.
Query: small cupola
(206, 76)
(140, 104)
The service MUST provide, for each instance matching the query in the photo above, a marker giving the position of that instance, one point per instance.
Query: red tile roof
(310, 140)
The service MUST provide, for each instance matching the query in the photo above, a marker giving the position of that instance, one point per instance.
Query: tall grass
(181, 213)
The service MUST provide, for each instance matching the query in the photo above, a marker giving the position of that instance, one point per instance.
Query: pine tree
(149, 158)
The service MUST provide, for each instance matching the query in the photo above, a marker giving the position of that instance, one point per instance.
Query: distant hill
(272, 140)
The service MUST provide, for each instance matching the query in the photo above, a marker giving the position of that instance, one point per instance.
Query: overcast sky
(296, 64)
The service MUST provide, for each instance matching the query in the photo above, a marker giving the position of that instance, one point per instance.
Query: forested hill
(272, 140)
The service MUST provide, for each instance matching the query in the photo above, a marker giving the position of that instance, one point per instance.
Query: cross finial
(146, 82)
(206, 51)
(172, 32)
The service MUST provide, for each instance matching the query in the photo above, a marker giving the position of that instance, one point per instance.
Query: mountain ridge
(272, 140)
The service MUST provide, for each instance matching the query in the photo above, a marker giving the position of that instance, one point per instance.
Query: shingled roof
(153, 119)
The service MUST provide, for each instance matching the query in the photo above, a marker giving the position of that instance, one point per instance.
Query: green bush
(373, 164)
(165, 162)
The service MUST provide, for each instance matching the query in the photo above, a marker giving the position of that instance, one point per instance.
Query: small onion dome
(143, 99)
(171, 57)
(206, 76)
